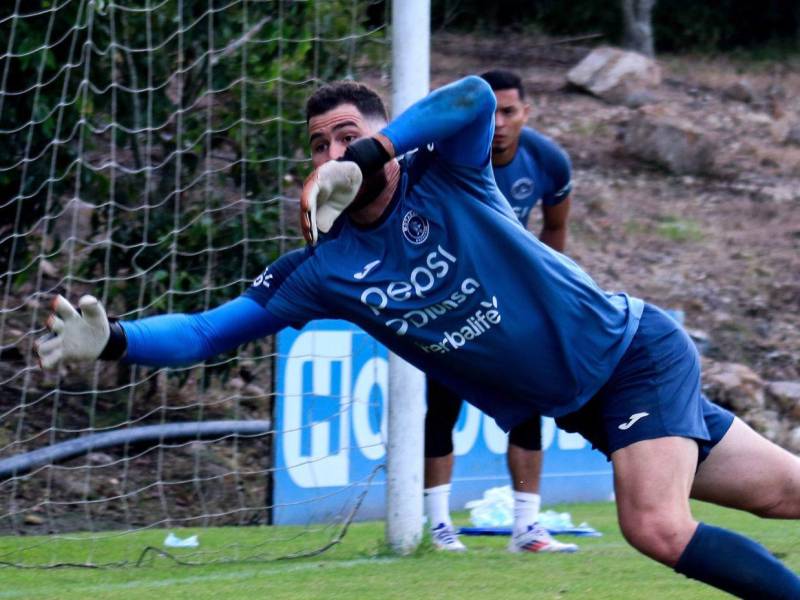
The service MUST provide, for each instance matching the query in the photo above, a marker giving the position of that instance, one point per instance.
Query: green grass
(360, 567)
(679, 230)
(669, 227)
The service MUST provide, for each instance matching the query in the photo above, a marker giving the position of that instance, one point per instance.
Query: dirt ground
(723, 248)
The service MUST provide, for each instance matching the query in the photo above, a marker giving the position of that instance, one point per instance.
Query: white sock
(526, 510)
(437, 505)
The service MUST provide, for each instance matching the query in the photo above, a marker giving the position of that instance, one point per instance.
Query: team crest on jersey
(415, 227)
(522, 188)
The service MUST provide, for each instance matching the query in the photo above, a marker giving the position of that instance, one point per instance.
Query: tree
(638, 33)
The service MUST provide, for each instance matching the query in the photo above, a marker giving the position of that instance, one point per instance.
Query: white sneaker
(444, 537)
(537, 539)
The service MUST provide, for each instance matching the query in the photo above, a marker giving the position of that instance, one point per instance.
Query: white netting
(150, 154)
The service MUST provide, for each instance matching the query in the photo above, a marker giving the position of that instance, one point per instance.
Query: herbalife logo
(478, 323)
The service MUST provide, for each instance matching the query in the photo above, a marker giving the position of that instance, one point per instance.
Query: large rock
(792, 440)
(615, 75)
(657, 135)
(74, 221)
(741, 91)
(786, 396)
(767, 422)
(733, 385)
(786, 130)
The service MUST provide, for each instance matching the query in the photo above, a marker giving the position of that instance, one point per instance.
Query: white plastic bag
(495, 509)
(173, 541)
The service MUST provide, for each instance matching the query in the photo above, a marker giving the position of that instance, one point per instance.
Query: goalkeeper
(430, 260)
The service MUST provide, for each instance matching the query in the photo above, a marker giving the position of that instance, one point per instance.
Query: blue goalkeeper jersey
(540, 170)
(447, 278)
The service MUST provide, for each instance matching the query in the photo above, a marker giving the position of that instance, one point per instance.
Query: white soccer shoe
(444, 537)
(537, 539)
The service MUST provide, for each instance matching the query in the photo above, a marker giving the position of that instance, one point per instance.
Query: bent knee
(661, 537)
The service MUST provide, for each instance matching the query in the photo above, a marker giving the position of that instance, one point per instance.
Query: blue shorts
(654, 392)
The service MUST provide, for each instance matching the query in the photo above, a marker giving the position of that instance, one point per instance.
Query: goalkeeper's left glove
(76, 336)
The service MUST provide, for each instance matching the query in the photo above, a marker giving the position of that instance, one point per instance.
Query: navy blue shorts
(654, 392)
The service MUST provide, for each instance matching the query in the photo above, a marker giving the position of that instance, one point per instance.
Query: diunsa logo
(415, 227)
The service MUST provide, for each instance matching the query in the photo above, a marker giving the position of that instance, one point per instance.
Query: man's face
(330, 133)
(509, 118)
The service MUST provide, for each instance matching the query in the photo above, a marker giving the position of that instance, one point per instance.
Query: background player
(528, 168)
(459, 289)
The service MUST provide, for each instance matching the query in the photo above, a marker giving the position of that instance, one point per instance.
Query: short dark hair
(333, 94)
(500, 79)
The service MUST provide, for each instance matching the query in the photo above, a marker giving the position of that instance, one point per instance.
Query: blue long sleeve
(458, 118)
(181, 339)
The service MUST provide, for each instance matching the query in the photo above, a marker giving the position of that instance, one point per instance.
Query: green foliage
(244, 136)
(25, 190)
(202, 104)
(679, 25)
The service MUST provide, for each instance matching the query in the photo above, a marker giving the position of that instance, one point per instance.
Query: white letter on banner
(548, 432)
(374, 373)
(325, 466)
(464, 438)
(570, 441)
(496, 439)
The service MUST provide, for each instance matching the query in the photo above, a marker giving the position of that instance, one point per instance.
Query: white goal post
(406, 439)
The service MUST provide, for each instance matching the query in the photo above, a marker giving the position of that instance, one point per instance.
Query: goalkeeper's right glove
(330, 189)
(327, 192)
(79, 336)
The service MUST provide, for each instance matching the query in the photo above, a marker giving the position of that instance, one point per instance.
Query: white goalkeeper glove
(327, 192)
(75, 337)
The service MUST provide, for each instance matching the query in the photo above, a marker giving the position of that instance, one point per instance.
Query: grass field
(360, 567)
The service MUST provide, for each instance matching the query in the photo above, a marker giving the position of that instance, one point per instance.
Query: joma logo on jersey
(420, 281)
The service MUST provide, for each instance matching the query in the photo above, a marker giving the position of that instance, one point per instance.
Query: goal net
(151, 154)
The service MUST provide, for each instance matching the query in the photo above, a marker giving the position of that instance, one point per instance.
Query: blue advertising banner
(332, 384)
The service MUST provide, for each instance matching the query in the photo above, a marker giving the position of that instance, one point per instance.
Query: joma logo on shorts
(632, 420)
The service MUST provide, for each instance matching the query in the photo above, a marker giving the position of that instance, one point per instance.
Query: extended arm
(165, 340)
(180, 339)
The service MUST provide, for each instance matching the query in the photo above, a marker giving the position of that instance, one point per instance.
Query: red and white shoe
(444, 537)
(537, 539)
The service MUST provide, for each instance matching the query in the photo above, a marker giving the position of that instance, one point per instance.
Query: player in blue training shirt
(528, 168)
(426, 255)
